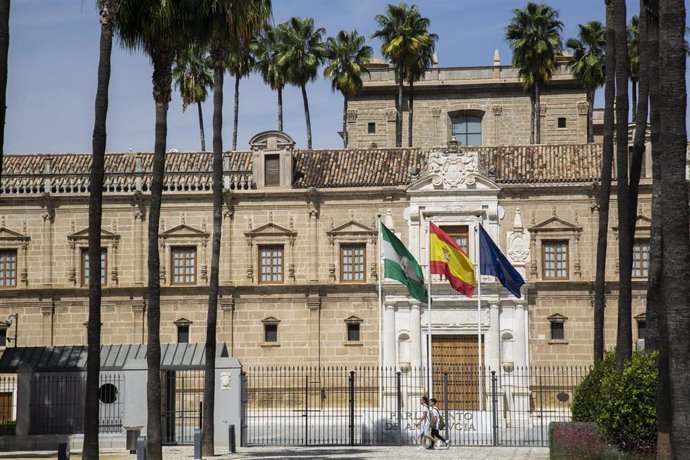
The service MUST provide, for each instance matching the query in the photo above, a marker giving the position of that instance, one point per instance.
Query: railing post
(445, 404)
(494, 407)
(306, 410)
(352, 408)
(398, 409)
(541, 409)
(201, 415)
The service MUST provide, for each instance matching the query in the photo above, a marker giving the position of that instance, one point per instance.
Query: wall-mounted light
(13, 319)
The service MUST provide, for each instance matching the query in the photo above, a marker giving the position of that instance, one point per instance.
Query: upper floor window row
(466, 128)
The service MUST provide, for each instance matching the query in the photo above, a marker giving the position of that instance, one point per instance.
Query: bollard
(232, 439)
(141, 448)
(197, 444)
(63, 451)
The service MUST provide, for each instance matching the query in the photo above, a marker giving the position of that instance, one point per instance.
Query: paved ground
(275, 453)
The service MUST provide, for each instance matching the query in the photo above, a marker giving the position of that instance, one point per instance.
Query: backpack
(441, 424)
(432, 419)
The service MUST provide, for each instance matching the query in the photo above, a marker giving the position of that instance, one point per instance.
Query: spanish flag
(448, 259)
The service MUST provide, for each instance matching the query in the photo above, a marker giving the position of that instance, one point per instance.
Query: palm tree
(107, 9)
(676, 263)
(301, 51)
(415, 73)
(193, 77)
(240, 64)
(4, 52)
(347, 57)
(230, 26)
(534, 36)
(407, 43)
(634, 59)
(588, 64)
(265, 51)
(161, 28)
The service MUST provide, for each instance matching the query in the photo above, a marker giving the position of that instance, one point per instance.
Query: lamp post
(13, 319)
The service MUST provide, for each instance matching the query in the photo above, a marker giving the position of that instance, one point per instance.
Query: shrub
(588, 397)
(577, 440)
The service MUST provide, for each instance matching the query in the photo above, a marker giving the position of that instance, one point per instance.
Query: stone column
(138, 249)
(520, 336)
(389, 339)
(314, 306)
(415, 336)
(228, 322)
(48, 221)
(493, 340)
(227, 252)
(313, 211)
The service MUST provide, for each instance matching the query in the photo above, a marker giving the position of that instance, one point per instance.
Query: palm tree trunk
(398, 115)
(532, 102)
(605, 190)
(4, 51)
(537, 112)
(280, 109)
(633, 95)
(162, 88)
(306, 114)
(345, 136)
(236, 113)
(590, 117)
(207, 434)
(676, 263)
(410, 115)
(201, 126)
(624, 331)
(96, 177)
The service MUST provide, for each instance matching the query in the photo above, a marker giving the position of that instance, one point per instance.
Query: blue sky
(54, 58)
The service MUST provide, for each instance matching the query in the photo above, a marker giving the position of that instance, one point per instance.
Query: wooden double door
(458, 356)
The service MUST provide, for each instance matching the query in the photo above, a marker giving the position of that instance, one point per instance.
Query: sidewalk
(362, 452)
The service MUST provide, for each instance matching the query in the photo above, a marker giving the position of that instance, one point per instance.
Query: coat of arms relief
(453, 169)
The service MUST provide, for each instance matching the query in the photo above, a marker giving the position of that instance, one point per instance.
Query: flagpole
(479, 313)
(380, 276)
(428, 351)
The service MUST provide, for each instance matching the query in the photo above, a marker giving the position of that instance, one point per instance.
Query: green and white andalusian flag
(401, 266)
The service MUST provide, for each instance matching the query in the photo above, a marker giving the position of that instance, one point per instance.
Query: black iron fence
(57, 403)
(182, 395)
(8, 404)
(378, 406)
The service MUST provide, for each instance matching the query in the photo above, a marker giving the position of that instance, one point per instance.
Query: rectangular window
(353, 332)
(557, 331)
(561, 122)
(641, 329)
(270, 332)
(183, 261)
(371, 127)
(555, 259)
(183, 334)
(3, 336)
(270, 264)
(272, 170)
(352, 262)
(640, 267)
(461, 235)
(8, 268)
(85, 266)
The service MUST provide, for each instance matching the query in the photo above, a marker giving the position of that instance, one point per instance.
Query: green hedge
(578, 440)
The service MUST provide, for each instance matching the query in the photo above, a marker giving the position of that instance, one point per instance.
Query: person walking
(424, 425)
(435, 430)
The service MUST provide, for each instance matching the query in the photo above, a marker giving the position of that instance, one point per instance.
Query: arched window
(466, 128)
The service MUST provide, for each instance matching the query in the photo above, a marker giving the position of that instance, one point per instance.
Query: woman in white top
(424, 425)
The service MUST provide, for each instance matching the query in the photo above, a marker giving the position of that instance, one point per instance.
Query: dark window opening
(353, 332)
(107, 393)
(557, 331)
(642, 329)
(371, 128)
(183, 334)
(561, 122)
(270, 332)
(272, 170)
(467, 129)
(3, 337)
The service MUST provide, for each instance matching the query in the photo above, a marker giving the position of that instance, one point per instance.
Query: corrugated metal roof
(113, 357)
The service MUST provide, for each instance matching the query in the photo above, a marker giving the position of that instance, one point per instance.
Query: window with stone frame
(8, 268)
(183, 327)
(183, 265)
(461, 235)
(271, 170)
(353, 330)
(270, 326)
(557, 327)
(353, 263)
(85, 267)
(271, 264)
(554, 259)
(466, 128)
(3, 336)
(640, 268)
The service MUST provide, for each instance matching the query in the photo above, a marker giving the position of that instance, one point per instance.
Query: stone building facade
(299, 273)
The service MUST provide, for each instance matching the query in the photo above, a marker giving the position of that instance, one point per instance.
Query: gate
(182, 393)
(321, 406)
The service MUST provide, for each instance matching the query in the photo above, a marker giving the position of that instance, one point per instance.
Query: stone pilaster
(520, 336)
(47, 316)
(493, 339)
(389, 340)
(138, 325)
(416, 335)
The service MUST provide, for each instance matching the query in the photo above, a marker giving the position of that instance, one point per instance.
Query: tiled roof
(69, 173)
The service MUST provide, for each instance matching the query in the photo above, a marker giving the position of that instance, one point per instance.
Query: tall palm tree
(604, 198)
(634, 58)
(265, 51)
(301, 52)
(161, 28)
(107, 10)
(406, 41)
(4, 52)
(230, 26)
(676, 263)
(415, 73)
(240, 64)
(534, 36)
(347, 57)
(588, 64)
(193, 77)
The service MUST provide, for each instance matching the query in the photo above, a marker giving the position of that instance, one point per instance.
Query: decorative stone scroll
(453, 169)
